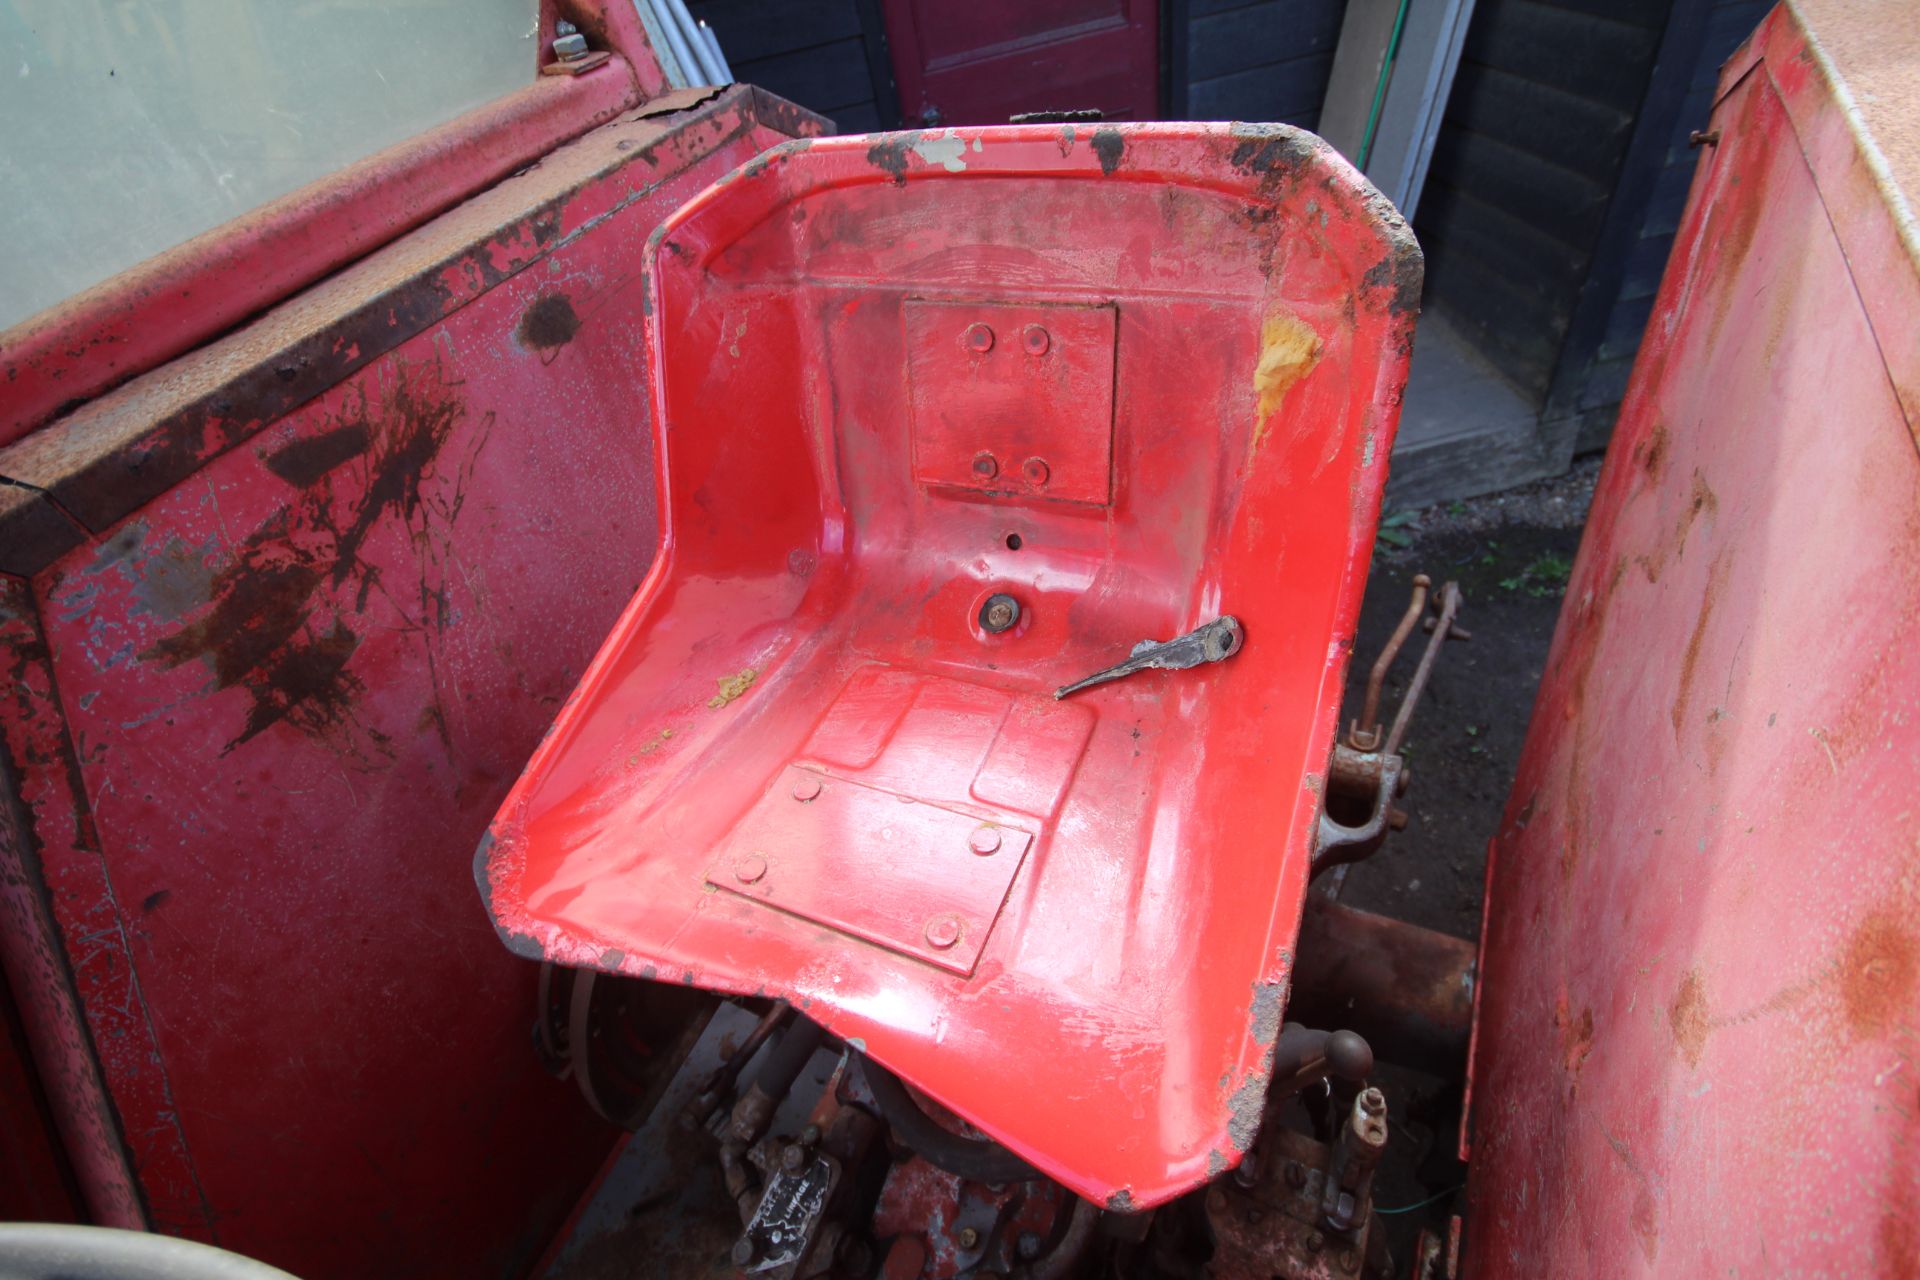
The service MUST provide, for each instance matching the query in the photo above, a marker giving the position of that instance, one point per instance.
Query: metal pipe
(1449, 606)
(785, 1061)
(690, 73)
(1364, 734)
(689, 31)
(719, 58)
(1408, 990)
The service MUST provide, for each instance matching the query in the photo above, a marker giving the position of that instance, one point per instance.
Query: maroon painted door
(983, 62)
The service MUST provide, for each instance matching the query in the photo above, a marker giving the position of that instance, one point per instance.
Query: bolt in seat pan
(801, 767)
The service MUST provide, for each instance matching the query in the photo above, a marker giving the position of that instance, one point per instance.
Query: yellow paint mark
(1289, 348)
(732, 687)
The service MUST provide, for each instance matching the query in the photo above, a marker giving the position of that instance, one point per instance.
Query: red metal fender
(1133, 377)
(1695, 1051)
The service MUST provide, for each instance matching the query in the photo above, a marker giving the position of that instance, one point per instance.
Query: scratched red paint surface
(1696, 1051)
(814, 606)
(296, 684)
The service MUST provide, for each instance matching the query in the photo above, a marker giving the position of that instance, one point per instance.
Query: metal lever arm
(1218, 639)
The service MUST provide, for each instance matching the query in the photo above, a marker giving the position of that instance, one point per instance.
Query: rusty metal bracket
(1368, 764)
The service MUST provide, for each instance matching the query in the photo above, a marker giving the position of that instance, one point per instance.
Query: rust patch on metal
(547, 324)
(1110, 145)
(1690, 659)
(1651, 453)
(278, 623)
(732, 687)
(1688, 1017)
(889, 155)
(1877, 972)
(303, 462)
(1576, 1038)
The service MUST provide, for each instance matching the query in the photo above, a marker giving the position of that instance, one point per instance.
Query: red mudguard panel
(1134, 378)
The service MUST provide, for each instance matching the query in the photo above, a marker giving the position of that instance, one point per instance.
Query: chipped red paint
(814, 607)
(1696, 1045)
(322, 586)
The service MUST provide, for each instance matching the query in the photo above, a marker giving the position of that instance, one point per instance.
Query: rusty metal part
(715, 1090)
(799, 1225)
(1408, 990)
(1375, 777)
(1304, 1055)
(999, 613)
(1346, 1198)
(1277, 1228)
(1364, 734)
(1449, 608)
(1436, 1257)
(1213, 642)
(754, 1112)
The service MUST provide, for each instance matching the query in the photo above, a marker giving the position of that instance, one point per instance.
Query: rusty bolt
(794, 1158)
(1373, 1102)
(943, 932)
(968, 1237)
(810, 1136)
(806, 789)
(1296, 1174)
(985, 465)
(750, 868)
(1397, 819)
(999, 613)
(1704, 138)
(1036, 471)
(984, 840)
(1316, 1242)
(744, 1251)
(979, 338)
(1035, 340)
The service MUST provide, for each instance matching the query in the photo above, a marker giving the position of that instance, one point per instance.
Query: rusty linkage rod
(1367, 738)
(1442, 628)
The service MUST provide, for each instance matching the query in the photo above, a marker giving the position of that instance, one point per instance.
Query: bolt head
(979, 338)
(1035, 339)
(1029, 1246)
(810, 1136)
(1316, 1242)
(750, 868)
(943, 931)
(968, 1237)
(984, 841)
(744, 1251)
(794, 1158)
(806, 789)
(985, 465)
(1036, 471)
(1296, 1174)
(570, 48)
